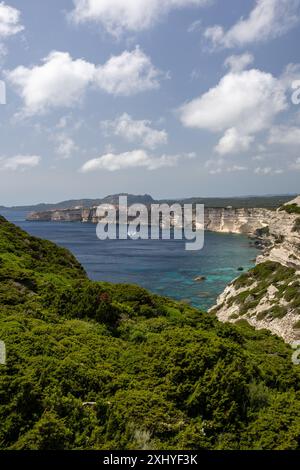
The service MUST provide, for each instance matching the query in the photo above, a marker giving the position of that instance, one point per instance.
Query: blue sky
(174, 98)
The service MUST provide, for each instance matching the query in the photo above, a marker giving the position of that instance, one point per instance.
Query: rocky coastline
(268, 297)
(224, 220)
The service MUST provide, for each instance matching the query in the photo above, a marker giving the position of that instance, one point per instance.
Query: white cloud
(195, 75)
(127, 160)
(247, 101)
(61, 81)
(136, 131)
(290, 78)
(258, 158)
(236, 168)
(9, 21)
(266, 171)
(19, 162)
(295, 165)
(238, 63)
(263, 171)
(233, 142)
(128, 74)
(268, 19)
(65, 145)
(241, 105)
(216, 167)
(117, 16)
(284, 135)
(195, 26)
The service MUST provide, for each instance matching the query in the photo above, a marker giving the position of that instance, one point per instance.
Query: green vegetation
(291, 208)
(296, 227)
(258, 280)
(296, 325)
(97, 366)
(267, 202)
(263, 232)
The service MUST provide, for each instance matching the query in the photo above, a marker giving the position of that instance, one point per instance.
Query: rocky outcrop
(268, 297)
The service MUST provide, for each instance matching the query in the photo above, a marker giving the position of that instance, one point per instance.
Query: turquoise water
(164, 267)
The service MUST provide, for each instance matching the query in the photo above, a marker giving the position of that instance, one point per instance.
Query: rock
(272, 291)
(294, 201)
(240, 269)
(256, 299)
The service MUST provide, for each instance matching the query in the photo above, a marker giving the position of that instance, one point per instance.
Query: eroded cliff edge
(268, 296)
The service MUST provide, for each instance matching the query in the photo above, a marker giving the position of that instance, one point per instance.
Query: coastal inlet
(162, 266)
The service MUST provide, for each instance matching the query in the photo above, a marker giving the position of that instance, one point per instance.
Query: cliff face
(245, 221)
(268, 297)
(229, 220)
(283, 240)
(64, 215)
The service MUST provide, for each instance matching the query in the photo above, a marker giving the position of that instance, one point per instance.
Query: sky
(174, 98)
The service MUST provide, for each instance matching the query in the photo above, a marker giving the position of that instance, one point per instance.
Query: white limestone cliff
(269, 296)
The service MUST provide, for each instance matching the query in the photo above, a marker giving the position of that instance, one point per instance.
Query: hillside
(71, 204)
(97, 366)
(267, 202)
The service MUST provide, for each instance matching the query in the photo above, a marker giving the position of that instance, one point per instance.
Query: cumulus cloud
(237, 63)
(19, 162)
(128, 74)
(10, 21)
(233, 142)
(117, 16)
(241, 105)
(10, 25)
(139, 131)
(248, 101)
(61, 81)
(284, 135)
(127, 160)
(65, 146)
(268, 19)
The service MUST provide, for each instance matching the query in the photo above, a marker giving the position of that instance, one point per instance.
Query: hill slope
(268, 202)
(97, 366)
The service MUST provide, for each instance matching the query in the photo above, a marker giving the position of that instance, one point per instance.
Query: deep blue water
(164, 267)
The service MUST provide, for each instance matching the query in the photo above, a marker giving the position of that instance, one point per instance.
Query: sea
(162, 266)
